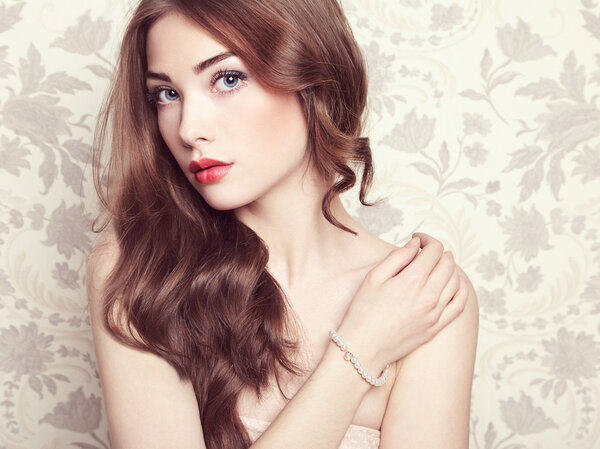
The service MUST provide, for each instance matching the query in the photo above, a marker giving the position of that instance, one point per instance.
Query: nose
(197, 122)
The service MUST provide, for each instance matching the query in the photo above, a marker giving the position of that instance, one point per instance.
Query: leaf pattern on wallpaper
(12, 155)
(61, 82)
(36, 215)
(518, 44)
(10, 16)
(592, 23)
(588, 163)
(381, 81)
(523, 418)
(571, 120)
(39, 117)
(5, 68)
(39, 136)
(78, 150)
(79, 413)
(87, 37)
(415, 135)
(6, 287)
(595, 77)
(99, 71)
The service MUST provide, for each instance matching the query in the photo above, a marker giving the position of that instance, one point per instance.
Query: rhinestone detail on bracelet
(349, 357)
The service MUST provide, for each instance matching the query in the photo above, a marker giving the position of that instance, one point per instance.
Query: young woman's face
(211, 110)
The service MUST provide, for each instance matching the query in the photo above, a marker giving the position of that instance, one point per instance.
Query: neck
(303, 246)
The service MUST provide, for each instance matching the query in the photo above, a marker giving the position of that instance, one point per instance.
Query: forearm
(320, 412)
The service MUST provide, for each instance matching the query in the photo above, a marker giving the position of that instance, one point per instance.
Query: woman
(228, 256)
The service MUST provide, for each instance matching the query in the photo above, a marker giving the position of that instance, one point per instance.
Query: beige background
(486, 133)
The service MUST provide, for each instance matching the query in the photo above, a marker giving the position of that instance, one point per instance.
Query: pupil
(230, 80)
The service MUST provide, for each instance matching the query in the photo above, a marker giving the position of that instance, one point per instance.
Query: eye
(162, 96)
(167, 96)
(228, 81)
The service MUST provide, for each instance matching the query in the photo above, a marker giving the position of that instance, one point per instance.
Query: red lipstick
(209, 170)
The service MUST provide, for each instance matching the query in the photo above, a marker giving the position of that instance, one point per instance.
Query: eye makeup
(153, 95)
(222, 82)
(227, 76)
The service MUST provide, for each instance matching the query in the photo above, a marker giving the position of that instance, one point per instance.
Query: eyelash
(224, 74)
(152, 94)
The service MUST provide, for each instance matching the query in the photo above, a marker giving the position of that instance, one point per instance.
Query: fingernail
(412, 242)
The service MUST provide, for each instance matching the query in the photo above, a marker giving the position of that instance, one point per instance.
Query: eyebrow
(198, 68)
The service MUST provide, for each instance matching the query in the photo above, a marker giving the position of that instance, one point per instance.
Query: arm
(430, 402)
(149, 407)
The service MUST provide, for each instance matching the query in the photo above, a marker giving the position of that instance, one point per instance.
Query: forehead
(175, 39)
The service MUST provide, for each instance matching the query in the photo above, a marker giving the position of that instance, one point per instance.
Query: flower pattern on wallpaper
(46, 354)
(78, 414)
(521, 418)
(485, 128)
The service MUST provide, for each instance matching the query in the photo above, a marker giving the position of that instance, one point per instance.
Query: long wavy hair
(191, 282)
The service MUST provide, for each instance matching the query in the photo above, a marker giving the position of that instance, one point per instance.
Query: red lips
(205, 163)
(209, 170)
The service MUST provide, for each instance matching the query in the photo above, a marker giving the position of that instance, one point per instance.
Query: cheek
(277, 126)
(168, 125)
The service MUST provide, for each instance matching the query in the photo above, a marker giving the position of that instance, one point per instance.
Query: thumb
(395, 261)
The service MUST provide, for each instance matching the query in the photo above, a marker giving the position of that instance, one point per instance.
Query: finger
(454, 308)
(441, 274)
(395, 261)
(423, 263)
(425, 238)
(448, 291)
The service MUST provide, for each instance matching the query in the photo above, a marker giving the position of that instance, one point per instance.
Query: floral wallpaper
(485, 127)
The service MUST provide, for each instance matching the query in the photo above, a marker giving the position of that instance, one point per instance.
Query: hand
(403, 302)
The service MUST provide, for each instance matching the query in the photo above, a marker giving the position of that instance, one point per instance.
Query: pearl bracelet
(348, 356)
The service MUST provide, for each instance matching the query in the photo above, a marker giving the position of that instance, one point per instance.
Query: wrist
(369, 377)
(364, 349)
(341, 371)
(373, 378)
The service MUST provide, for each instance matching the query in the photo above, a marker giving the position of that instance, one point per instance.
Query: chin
(224, 203)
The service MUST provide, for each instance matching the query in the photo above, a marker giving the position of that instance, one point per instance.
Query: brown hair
(191, 283)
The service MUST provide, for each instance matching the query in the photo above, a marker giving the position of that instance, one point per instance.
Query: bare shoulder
(469, 318)
(101, 260)
(99, 265)
(430, 400)
(147, 404)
